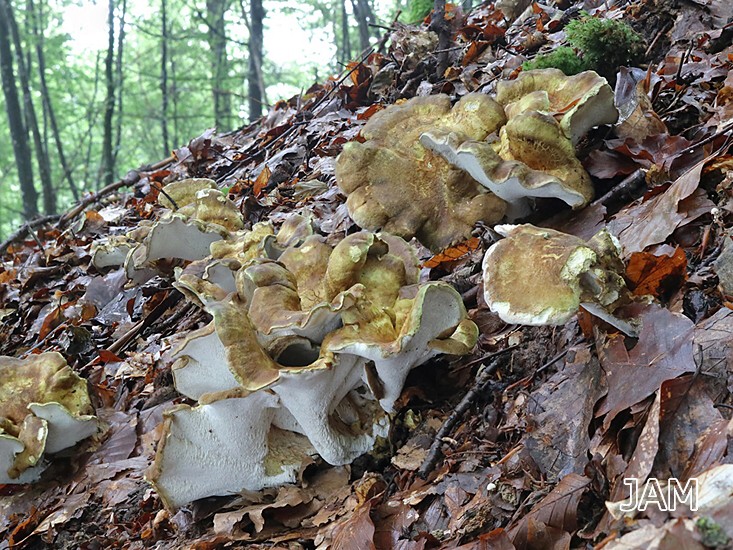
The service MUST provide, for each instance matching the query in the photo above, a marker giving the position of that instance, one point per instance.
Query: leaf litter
(568, 411)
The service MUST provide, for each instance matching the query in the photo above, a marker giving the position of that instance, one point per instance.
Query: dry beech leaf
(659, 276)
(453, 253)
(261, 182)
(558, 510)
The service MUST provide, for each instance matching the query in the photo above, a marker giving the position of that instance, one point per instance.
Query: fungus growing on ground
(532, 159)
(579, 102)
(296, 346)
(395, 184)
(538, 276)
(417, 172)
(224, 447)
(204, 216)
(44, 408)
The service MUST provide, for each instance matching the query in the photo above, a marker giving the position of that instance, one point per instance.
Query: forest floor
(555, 417)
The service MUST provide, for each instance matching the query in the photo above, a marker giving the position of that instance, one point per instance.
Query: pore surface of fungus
(44, 408)
(538, 276)
(293, 340)
(532, 159)
(395, 184)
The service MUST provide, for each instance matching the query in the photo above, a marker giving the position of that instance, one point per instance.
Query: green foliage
(563, 58)
(713, 534)
(605, 44)
(417, 10)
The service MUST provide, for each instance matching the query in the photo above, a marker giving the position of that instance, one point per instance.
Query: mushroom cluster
(202, 216)
(44, 408)
(431, 171)
(572, 272)
(309, 345)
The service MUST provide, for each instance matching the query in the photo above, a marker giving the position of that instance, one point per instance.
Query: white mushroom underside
(219, 449)
(201, 367)
(9, 448)
(510, 189)
(64, 429)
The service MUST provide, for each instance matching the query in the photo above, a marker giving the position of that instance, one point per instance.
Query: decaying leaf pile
(525, 442)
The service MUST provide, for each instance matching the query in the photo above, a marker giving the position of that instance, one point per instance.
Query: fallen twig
(132, 177)
(479, 385)
(25, 228)
(625, 188)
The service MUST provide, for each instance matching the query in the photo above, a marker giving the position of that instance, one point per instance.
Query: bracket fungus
(579, 102)
(538, 276)
(429, 171)
(395, 184)
(282, 372)
(532, 159)
(44, 408)
(204, 216)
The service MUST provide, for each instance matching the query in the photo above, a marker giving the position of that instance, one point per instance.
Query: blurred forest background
(91, 90)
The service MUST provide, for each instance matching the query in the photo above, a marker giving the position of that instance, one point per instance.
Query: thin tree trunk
(44, 167)
(48, 111)
(164, 74)
(174, 96)
(345, 38)
(361, 16)
(92, 114)
(119, 81)
(216, 9)
(15, 119)
(107, 166)
(441, 27)
(254, 73)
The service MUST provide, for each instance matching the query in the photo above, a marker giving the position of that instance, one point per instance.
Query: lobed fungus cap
(580, 102)
(423, 322)
(538, 276)
(534, 159)
(184, 192)
(395, 184)
(44, 408)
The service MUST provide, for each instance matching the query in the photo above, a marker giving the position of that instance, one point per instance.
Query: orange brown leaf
(659, 276)
(453, 253)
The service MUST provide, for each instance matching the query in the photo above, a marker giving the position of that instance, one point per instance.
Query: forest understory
(521, 443)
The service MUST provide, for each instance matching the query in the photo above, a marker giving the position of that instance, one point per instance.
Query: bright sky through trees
(287, 41)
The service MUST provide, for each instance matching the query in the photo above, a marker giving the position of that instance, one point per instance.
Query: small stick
(478, 387)
(625, 187)
(487, 357)
(132, 177)
(25, 228)
(165, 194)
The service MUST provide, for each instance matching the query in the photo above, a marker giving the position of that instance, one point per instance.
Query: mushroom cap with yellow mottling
(395, 184)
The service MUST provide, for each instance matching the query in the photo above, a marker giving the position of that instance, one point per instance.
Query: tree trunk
(255, 82)
(44, 167)
(91, 116)
(15, 119)
(441, 27)
(164, 75)
(361, 14)
(216, 9)
(119, 81)
(345, 37)
(48, 111)
(107, 167)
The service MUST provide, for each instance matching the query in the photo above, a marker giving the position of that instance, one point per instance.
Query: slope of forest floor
(554, 417)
